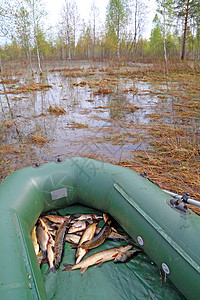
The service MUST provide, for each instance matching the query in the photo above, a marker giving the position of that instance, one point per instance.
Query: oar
(185, 198)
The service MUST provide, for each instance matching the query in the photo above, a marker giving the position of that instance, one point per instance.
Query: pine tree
(186, 9)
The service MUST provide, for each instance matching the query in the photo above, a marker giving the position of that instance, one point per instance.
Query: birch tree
(116, 20)
(94, 16)
(164, 8)
(23, 30)
(138, 11)
(75, 24)
(68, 26)
(7, 17)
(37, 14)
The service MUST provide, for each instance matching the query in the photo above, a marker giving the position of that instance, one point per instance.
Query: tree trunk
(35, 37)
(94, 42)
(198, 55)
(185, 31)
(30, 61)
(38, 58)
(1, 67)
(165, 50)
(69, 48)
(118, 53)
(135, 35)
(74, 45)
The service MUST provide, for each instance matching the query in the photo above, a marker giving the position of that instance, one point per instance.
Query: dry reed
(57, 110)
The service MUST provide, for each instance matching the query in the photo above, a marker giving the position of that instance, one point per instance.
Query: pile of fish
(52, 231)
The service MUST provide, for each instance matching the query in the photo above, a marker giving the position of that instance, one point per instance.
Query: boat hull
(169, 237)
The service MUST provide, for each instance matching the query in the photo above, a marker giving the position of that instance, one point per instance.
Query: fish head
(97, 218)
(106, 217)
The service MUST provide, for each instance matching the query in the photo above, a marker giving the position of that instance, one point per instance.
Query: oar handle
(187, 200)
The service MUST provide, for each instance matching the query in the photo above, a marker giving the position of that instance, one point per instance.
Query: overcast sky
(54, 6)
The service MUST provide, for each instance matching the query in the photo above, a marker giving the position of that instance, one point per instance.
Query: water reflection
(10, 111)
(102, 123)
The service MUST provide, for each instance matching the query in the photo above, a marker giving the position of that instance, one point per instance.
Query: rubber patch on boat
(58, 194)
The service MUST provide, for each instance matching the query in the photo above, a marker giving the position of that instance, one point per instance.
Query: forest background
(175, 31)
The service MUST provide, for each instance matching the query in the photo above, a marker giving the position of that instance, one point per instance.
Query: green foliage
(116, 20)
(23, 29)
(43, 45)
(84, 46)
(3, 55)
(156, 39)
(12, 50)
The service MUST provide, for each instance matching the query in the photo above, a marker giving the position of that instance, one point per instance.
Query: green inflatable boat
(164, 228)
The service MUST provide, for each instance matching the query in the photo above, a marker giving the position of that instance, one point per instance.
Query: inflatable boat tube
(168, 235)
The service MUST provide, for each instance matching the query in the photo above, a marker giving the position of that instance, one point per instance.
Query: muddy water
(106, 126)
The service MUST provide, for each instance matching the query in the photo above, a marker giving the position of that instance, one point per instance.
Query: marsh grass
(78, 125)
(9, 149)
(38, 138)
(56, 110)
(26, 89)
(103, 91)
(8, 81)
(173, 162)
(75, 69)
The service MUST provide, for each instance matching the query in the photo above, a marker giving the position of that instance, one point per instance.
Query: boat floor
(137, 279)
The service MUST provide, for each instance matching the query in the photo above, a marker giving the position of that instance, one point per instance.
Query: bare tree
(37, 14)
(68, 26)
(7, 13)
(75, 24)
(139, 12)
(94, 16)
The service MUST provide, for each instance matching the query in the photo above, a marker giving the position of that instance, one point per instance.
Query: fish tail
(53, 270)
(44, 253)
(57, 262)
(73, 246)
(131, 242)
(68, 267)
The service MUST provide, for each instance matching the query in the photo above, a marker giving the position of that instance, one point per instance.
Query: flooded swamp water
(82, 109)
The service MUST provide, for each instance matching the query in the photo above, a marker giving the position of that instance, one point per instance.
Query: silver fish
(77, 226)
(72, 238)
(87, 236)
(51, 256)
(99, 238)
(42, 237)
(34, 240)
